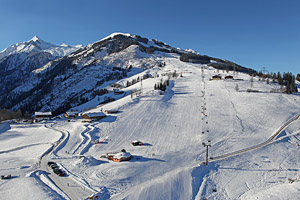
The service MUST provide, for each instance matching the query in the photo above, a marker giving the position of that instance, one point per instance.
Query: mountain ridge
(35, 44)
(60, 83)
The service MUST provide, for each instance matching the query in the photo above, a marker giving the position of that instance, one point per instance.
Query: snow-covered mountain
(19, 60)
(35, 45)
(59, 83)
(32, 54)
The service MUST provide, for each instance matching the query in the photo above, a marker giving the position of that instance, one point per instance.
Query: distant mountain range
(39, 76)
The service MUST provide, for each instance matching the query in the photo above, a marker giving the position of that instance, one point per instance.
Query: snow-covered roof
(122, 155)
(112, 111)
(72, 113)
(95, 114)
(42, 113)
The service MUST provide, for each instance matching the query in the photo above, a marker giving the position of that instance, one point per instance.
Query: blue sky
(252, 33)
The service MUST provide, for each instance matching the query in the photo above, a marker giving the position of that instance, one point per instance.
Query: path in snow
(67, 183)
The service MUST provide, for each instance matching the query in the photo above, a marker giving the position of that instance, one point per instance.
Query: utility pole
(233, 68)
(141, 89)
(251, 80)
(264, 70)
(206, 145)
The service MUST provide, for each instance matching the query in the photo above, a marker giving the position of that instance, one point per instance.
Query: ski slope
(173, 125)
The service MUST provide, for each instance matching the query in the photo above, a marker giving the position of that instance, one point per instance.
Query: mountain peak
(114, 34)
(35, 38)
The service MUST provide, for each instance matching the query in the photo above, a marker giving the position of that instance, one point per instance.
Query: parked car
(50, 163)
(56, 170)
(54, 166)
(6, 177)
(61, 174)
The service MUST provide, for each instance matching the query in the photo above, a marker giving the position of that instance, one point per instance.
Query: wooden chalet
(112, 111)
(229, 77)
(39, 116)
(71, 114)
(93, 116)
(122, 156)
(216, 77)
(119, 156)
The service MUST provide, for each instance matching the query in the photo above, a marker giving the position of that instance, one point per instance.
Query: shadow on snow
(144, 159)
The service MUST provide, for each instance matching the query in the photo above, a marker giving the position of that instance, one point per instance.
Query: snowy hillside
(18, 61)
(62, 83)
(172, 124)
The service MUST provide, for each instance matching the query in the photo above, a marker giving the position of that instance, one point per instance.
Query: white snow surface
(172, 125)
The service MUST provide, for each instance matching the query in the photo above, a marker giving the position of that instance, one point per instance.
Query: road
(71, 188)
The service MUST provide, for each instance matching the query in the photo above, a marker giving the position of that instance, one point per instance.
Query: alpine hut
(93, 116)
(39, 116)
(229, 77)
(216, 77)
(119, 156)
(71, 114)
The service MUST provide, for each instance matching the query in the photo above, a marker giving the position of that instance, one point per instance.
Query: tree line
(286, 79)
(6, 114)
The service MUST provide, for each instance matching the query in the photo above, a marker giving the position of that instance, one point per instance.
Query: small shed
(216, 77)
(111, 111)
(93, 116)
(71, 114)
(118, 91)
(229, 77)
(42, 116)
(252, 90)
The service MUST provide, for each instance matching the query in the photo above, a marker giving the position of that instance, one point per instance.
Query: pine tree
(18, 114)
(298, 77)
(27, 115)
(127, 84)
(279, 78)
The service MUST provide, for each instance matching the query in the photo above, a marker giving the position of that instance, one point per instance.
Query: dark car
(54, 166)
(50, 163)
(6, 177)
(57, 171)
(61, 174)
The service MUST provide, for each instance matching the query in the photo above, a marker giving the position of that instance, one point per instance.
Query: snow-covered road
(65, 184)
